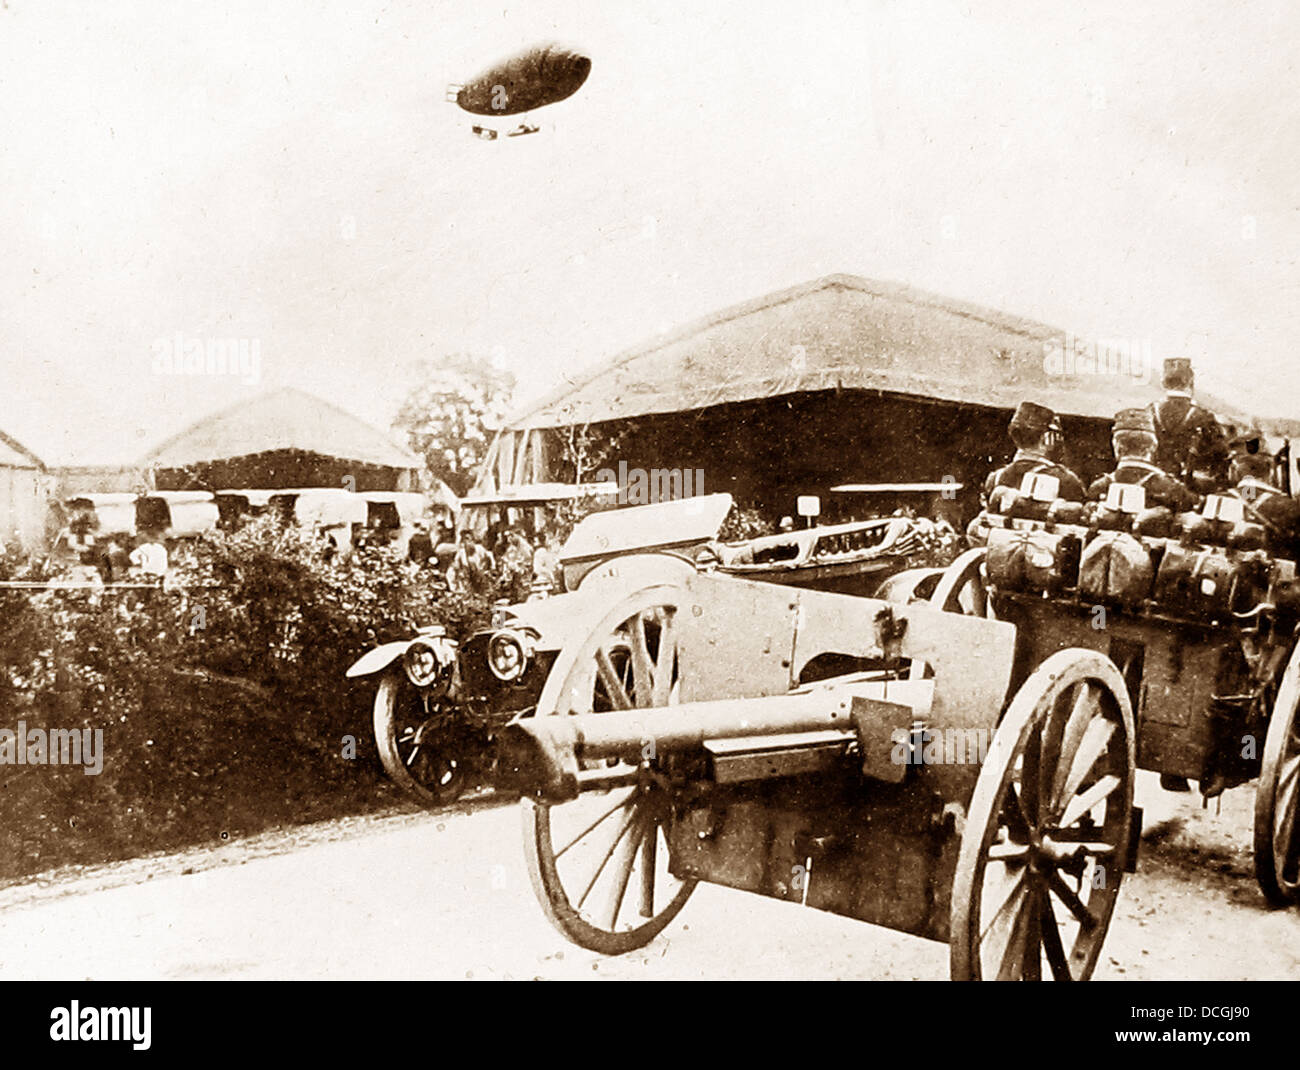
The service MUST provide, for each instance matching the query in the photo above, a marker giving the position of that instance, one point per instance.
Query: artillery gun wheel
(599, 862)
(1046, 839)
(1277, 796)
(413, 757)
(961, 588)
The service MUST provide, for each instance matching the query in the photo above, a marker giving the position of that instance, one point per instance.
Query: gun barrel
(545, 751)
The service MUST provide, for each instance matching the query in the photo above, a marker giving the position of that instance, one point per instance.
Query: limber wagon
(683, 734)
(1199, 623)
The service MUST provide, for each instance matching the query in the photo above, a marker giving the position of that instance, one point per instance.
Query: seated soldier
(1251, 472)
(1133, 438)
(1036, 431)
(1192, 447)
(1134, 441)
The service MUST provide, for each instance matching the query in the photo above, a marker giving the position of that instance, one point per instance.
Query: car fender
(385, 654)
(373, 661)
(552, 619)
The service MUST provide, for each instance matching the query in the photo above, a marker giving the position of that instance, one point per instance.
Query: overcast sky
(291, 173)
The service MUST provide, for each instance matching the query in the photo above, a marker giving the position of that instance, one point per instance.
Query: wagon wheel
(910, 585)
(1045, 842)
(962, 588)
(406, 737)
(599, 863)
(1277, 796)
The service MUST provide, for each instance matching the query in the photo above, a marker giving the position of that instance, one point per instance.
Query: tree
(584, 448)
(450, 415)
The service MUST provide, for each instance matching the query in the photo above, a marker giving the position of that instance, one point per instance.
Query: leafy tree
(450, 415)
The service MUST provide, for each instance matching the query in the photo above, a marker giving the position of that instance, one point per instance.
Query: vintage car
(855, 558)
(237, 507)
(393, 517)
(106, 514)
(438, 706)
(332, 513)
(177, 514)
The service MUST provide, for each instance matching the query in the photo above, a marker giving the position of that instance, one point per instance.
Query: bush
(222, 698)
(745, 522)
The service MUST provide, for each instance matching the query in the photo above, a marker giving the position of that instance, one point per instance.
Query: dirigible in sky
(536, 77)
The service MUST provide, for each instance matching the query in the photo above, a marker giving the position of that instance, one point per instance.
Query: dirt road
(417, 895)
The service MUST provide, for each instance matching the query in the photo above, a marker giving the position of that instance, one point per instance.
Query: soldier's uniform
(1032, 421)
(1276, 511)
(1229, 720)
(1161, 488)
(1190, 441)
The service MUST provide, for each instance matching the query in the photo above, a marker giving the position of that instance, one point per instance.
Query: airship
(534, 78)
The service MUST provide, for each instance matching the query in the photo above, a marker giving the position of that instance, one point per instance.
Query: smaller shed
(280, 440)
(25, 489)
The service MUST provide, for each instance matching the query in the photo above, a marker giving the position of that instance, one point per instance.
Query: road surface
(445, 895)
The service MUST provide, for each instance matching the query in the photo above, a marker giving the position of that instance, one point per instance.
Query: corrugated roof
(843, 332)
(287, 419)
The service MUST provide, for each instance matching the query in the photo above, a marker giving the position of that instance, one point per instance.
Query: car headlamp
(422, 664)
(508, 654)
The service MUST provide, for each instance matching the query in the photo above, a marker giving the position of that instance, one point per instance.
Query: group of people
(502, 563)
(1178, 453)
(1175, 449)
(82, 554)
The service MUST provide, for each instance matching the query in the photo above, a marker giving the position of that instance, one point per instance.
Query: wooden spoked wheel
(962, 589)
(910, 585)
(1046, 839)
(414, 753)
(599, 863)
(1277, 796)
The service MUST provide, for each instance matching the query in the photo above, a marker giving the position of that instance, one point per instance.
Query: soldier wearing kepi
(1134, 441)
(1251, 471)
(1192, 447)
(1133, 438)
(1036, 431)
